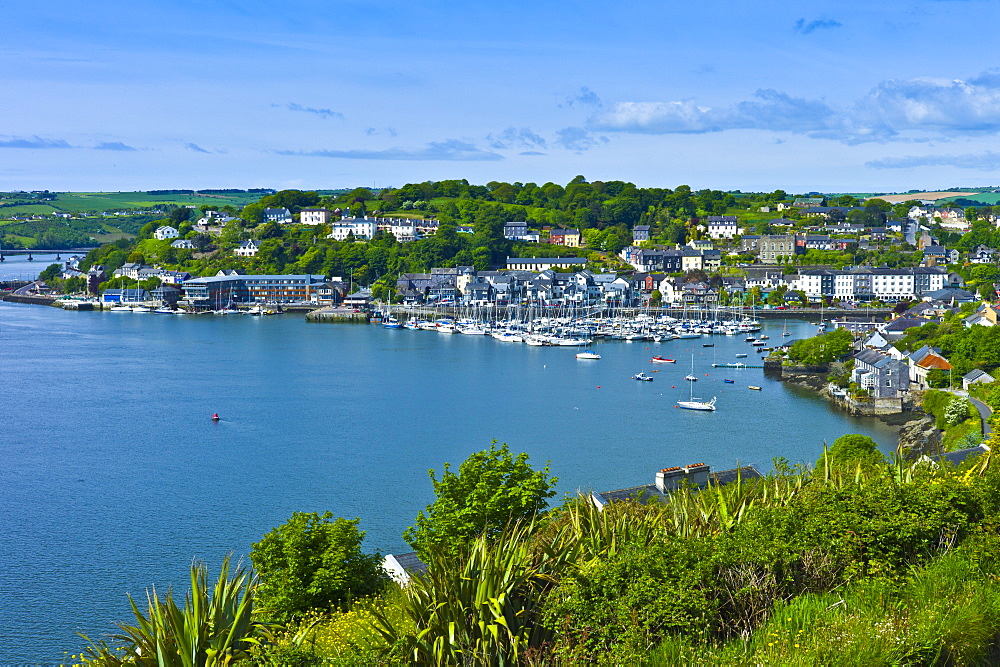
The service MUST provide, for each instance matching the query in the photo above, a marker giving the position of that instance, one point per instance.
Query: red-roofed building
(922, 362)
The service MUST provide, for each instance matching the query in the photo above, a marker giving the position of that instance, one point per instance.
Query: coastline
(916, 431)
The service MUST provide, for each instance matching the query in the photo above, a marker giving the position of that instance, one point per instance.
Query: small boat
(741, 355)
(690, 378)
(163, 310)
(663, 360)
(587, 354)
(708, 344)
(764, 338)
(141, 309)
(729, 381)
(642, 377)
(121, 308)
(754, 387)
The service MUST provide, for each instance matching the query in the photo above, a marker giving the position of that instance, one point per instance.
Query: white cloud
(894, 110)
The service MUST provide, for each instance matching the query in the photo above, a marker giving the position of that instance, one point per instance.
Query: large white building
(362, 228)
(865, 284)
(314, 216)
(722, 226)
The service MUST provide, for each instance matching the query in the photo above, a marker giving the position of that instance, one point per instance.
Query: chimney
(669, 479)
(697, 474)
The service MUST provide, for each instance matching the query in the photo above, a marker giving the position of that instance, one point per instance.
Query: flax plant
(214, 627)
(480, 606)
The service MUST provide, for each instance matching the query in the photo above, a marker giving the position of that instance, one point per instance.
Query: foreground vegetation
(860, 561)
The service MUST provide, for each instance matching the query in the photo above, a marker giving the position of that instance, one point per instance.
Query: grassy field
(28, 209)
(988, 198)
(90, 202)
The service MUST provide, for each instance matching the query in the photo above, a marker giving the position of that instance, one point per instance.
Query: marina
(313, 418)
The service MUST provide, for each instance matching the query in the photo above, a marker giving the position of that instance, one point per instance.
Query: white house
(314, 216)
(722, 226)
(247, 249)
(183, 244)
(164, 233)
(362, 228)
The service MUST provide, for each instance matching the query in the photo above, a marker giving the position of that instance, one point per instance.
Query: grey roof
(948, 293)
(648, 492)
(978, 374)
(904, 323)
(960, 456)
(411, 563)
(873, 358)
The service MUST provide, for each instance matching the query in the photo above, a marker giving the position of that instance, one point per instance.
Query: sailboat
(696, 403)
(784, 330)
(691, 377)
(138, 307)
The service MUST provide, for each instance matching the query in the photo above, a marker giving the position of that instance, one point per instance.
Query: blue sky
(723, 94)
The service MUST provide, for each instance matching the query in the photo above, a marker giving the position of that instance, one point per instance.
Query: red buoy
(215, 417)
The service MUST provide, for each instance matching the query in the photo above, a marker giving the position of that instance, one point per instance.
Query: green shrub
(311, 562)
(620, 606)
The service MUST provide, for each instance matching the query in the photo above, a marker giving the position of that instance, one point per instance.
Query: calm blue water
(113, 478)
(17, 267)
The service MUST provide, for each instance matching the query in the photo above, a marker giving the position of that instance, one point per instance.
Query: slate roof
(904, 323)
(960, 456)
(648, 492)
(978, 375)
(873, 358)
(411, 563)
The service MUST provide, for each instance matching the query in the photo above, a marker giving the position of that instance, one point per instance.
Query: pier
(333, 314)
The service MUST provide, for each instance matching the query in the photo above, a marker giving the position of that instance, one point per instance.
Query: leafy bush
(311, 562)
(492, 488)
(849, 451)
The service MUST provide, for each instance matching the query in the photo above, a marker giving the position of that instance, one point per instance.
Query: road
(984, 414)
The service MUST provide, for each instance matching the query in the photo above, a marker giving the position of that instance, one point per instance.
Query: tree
(311, 562)
(849, 451)
(492, 488)
(50, 272)
(180, 214)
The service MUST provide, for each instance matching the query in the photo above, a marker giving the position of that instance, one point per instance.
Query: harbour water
(18, 267)
(113, 477)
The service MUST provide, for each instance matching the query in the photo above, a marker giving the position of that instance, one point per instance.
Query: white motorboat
(642, 377)
(163, 310)
(587, 354)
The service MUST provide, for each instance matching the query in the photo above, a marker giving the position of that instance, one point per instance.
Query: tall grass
(947, 613)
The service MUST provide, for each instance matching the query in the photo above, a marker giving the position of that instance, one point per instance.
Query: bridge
(44, 251)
